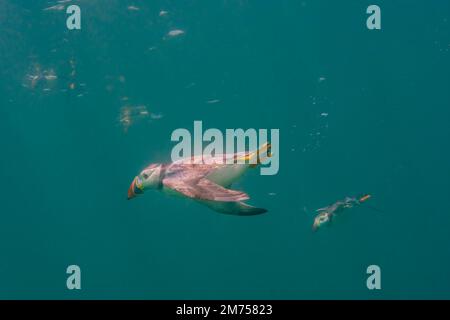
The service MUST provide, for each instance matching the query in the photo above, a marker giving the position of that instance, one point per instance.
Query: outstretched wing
(205, 189)
(190, 180)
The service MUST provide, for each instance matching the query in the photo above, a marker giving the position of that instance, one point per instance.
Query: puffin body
(205, 179)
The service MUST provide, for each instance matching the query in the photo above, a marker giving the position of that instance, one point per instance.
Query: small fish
(163, 13)
(57, 7)
(50, 77)
(175, 33)
(324, 114)
(133, 8)
(213, 101)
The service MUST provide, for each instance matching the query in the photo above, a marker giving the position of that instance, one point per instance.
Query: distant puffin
(205, 179)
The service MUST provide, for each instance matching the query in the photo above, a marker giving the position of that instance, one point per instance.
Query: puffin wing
(191, 181)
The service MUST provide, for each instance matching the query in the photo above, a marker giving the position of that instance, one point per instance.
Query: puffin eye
(145, 175)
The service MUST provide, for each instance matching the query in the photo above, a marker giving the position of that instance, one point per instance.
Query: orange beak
(131, 193)
(364, 198)
(134, 189)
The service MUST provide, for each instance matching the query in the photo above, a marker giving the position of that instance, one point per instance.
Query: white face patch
(151, 176)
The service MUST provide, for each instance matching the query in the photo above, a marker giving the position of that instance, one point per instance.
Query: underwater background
(359, 111)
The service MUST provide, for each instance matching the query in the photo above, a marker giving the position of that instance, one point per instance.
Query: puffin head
(321, 219)
(149, 178)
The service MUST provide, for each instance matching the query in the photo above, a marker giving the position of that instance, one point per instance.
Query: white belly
(227, 174)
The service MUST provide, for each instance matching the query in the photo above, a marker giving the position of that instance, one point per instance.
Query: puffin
(205, 179)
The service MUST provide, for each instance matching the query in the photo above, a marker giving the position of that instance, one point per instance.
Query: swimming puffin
(204, 179)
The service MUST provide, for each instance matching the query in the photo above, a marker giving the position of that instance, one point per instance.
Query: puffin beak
(134, 188)
(131, 193)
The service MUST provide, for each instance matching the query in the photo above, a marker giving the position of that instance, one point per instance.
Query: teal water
(358, 111)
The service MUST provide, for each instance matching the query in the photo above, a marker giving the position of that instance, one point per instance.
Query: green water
(358, 111)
